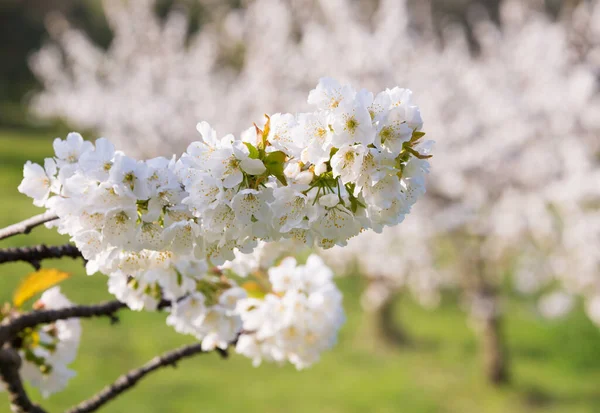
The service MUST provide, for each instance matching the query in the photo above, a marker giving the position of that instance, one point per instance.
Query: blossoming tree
(501, 209)
(166, 232)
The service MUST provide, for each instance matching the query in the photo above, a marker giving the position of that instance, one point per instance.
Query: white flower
(283, 276)
(336, 226)
(69, 151)
(48, 383)
(251, 205)
(98, 162)
(181, 236)
(393, 131)
(402, 99)
(347, 162)
(215, 325)
(291, 207)
(384, 192)
(315, 131)
(282, 135)
(329, 200)
(352, 124)
(38, 182)
(205, 191)
(186, 311)
(129, 175)
(329, 94)
(227, 166)
(202, 151)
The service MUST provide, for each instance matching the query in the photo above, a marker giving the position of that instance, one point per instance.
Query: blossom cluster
(298, 320)
(355, 163)
(290, 313)
(48, 350)
(176, 230)
(156, 226)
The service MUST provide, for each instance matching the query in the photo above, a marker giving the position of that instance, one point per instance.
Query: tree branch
(35, 254)
(11, 326)
(130, 379)
(10, 363)
(24, 227)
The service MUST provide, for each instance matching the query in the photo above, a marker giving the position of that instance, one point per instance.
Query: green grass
(555, 366)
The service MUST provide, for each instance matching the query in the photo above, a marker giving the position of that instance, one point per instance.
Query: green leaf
(275, 157)
(274, 163)
(254, 154)
(416, 135)
(353, 204)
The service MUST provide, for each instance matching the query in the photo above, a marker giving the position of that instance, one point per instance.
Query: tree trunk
(390, 329)
(494, 350)
(480, 287)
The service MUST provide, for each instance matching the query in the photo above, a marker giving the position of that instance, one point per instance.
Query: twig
(35, 254)
(10, 363)
(130, 379)
(24, 227)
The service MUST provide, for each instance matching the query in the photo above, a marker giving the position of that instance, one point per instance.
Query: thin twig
(24, 227)
(10, 363)
(130, 379)
(36, 253)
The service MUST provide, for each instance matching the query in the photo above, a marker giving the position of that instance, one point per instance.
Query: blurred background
(487, 299)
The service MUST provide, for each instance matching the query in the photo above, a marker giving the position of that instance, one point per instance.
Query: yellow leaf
(36, 282)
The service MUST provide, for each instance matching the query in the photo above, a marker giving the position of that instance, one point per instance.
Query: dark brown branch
(10, 363)
(130, 379)
(24, 227)
(13, 325)
(35, 254)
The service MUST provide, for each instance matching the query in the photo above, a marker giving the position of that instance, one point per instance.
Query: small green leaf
(416, 135)
(353, 204)
(274, 163)
(275, 157)
(254, 154)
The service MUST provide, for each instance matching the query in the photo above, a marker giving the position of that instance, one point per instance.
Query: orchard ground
(555, 364)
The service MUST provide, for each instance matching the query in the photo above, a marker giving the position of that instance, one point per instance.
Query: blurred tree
(22, 30)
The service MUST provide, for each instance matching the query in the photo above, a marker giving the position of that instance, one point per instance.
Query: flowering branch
(25, 227)
(35, 254)
(163, 230)
(10, 363)
(130, 379)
